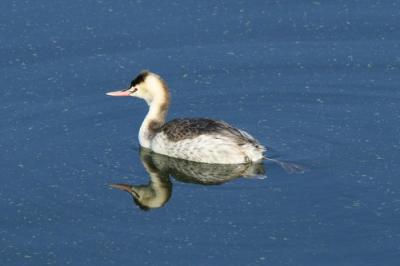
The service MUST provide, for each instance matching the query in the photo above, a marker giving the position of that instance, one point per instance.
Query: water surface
(316, 82)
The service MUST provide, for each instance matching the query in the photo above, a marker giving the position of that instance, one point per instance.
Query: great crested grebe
(194, 139)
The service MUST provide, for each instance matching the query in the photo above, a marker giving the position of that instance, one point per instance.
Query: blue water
(317, 82)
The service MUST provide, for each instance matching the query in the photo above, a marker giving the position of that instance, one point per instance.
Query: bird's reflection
(159, 167)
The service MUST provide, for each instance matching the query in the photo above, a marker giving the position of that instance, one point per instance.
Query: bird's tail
(290, 168)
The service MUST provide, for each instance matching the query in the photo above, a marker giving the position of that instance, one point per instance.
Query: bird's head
(148, 86)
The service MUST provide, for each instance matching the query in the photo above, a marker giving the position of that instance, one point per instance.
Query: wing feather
(188, 128)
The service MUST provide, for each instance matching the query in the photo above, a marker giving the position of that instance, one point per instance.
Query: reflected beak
(126, 188)
(119, 93)
(123, 187)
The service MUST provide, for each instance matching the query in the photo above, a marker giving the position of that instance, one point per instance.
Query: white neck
(154, 119)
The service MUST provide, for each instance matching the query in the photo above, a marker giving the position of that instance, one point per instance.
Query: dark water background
(315, 81)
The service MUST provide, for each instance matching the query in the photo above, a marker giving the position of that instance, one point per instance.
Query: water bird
(195, 139)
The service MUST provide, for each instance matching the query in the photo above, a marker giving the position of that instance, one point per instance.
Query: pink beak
(119, 93)
(123, 187)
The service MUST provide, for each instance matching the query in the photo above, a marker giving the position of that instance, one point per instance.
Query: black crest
(140, 78)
